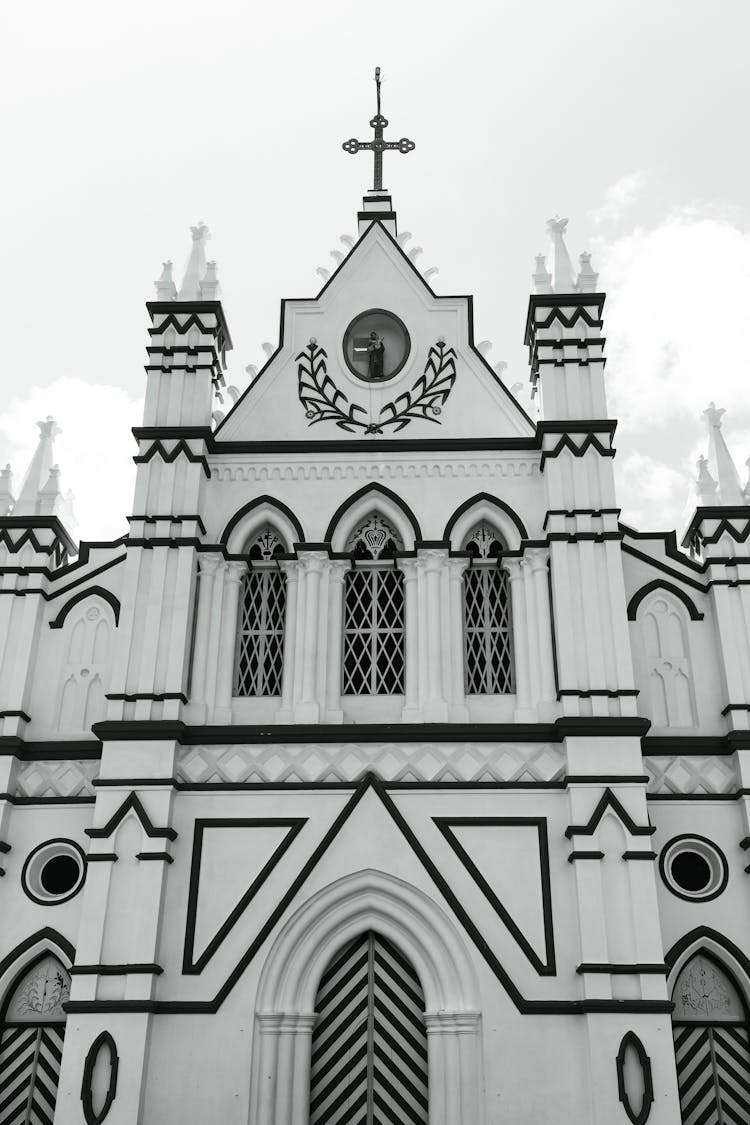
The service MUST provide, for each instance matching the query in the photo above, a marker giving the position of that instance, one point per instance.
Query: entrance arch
(285, 1013)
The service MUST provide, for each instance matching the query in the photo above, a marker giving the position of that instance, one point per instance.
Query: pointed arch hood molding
(285, 1016)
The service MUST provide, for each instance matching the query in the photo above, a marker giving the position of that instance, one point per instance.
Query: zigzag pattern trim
(28, 536)
(578, 450)
(724, 526)
(181, 447)
(579, 313)
(193, 321)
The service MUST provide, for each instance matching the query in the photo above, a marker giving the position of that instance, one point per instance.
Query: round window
(54, 872)
(376, 346)
(693, 868)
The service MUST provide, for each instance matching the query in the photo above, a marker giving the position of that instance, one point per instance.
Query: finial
(6, 491)
(166, 290)
(209, 287)
(541, 278)
(705, 485)
(377, 145)
(588, 278)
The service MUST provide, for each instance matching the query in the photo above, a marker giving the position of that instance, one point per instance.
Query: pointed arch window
(488, 638)
(260, 637)
(670, 678)
(32, 1029)
(712, 1045)
(369, 1047)
(374, 605)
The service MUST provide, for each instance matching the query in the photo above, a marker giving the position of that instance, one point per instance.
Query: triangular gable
(445, 389)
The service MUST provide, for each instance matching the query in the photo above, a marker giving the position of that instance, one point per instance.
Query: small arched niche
(666, 674)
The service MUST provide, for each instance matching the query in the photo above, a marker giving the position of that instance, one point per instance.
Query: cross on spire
(377, 145)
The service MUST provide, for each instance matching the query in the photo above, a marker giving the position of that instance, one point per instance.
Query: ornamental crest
(323, 401)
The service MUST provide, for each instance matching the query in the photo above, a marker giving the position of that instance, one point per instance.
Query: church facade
(379, 773)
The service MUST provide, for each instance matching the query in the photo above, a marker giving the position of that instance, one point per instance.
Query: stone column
(411, 712)
(288, 671)
(459, 712)
(538, 562)
(523, 712)
(228, 641)
(437, 621)
(308, 708)
(336, 573)
(207, 567)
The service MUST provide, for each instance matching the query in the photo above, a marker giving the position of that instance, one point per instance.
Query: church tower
(380, 774)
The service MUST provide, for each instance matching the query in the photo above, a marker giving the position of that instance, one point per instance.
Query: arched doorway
(369, 1045)
(32, 1027)
(712, 1044)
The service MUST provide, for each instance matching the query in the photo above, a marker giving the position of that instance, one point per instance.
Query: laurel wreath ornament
(322, 400)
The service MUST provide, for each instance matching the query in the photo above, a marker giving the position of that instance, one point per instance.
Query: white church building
(379, 775)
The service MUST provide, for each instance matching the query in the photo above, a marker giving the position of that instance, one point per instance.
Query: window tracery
(260, 637)
(668, 663)
(488, 638)
(374, 606)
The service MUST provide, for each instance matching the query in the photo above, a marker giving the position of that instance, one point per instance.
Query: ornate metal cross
(378, 145)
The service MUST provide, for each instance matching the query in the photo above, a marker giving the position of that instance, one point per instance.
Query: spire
(562, 267)
(196, 267)
(559, 278)
(38, 472)
(720, 459)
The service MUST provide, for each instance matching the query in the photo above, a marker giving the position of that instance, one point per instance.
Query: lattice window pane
(373, 661)
(488, 633)
(260, 641)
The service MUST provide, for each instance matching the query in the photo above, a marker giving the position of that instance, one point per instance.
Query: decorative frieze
(691, 774)
(55, 779)
(266, 471)
(393, 762)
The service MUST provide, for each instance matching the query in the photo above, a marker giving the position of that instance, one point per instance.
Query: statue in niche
(375, 357)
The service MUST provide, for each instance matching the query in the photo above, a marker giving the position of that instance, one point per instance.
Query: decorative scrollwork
(324, 402)
(319, 395)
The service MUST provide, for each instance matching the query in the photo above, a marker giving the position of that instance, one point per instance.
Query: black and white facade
(379, 773)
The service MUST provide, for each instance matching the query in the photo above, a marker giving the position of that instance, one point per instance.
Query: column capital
(337, 569)
(536, 558)
(411, 566)
(432, 558)
(512, 566)
(457, 567)
(235, 571)
(312, 563)
(208, 564)
(451, 1023)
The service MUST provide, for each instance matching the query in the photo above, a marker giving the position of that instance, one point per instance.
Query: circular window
(376, 346)
(693, 868)
(54, 872)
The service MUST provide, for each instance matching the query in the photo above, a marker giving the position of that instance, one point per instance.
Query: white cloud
(619, 197)
(675, 318)
(94, 450)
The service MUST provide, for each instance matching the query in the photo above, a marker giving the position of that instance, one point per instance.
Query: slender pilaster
(411, 712)
(336, 572)
(289, 671)
(233, 575)
(307, 710)
(207, 568)
(524, 711)
(456, 695)
(437, 624)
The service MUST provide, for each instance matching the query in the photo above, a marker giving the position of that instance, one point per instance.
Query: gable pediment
(308, 391)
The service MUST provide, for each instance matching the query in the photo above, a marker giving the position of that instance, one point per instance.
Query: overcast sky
(122, 126)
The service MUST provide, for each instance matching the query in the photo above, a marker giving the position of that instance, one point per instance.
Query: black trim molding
(90, 591)
(103, 1041)
(639, 1117)
(670, 588)
(130, 802)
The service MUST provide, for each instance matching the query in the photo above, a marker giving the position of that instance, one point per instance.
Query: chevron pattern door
(712, 1046)
(369, 1048)
(30, 1060)
(31, 1042)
